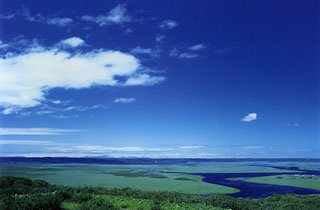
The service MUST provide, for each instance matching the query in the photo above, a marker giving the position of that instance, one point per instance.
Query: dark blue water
(256, 190)
(247, 189)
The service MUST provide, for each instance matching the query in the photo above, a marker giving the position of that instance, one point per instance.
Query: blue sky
(209, 79)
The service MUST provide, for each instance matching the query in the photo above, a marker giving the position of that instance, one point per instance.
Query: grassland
(26, 194)
(154, 177)
(312, 182)
(148, 178)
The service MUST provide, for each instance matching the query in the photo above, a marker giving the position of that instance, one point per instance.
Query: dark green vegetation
(24, 193)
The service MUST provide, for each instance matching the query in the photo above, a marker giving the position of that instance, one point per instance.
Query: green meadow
(289, 180)
(156, 177)
(142, 177)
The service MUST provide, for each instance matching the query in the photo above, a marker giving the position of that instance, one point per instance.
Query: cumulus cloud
(124, 100)
(249, 117)
(197, 47)
(73, 42)
(36, 131)
(117, 15)
(168, 24)
(25, 78)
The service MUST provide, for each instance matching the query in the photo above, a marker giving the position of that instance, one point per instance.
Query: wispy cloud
(117, 15)
(160, 37)
(145, 51)
(57, 21)
(26, 142)
(176, 53)
(8, 16)
(118, 149)
(23, 82)
(250, 117)
(124, 100)
(253, 147)
(188, 55)
(83, 108)
(36, 131)
(191, 147)
(168, 24)
(288, 124)
(223, 50)
(197, 47)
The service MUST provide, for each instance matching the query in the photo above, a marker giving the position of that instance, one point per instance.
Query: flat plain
(168, 177)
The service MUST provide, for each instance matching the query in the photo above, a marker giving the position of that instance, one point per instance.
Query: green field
(26, 194)
(292, 180)
(155, 177)
(140, 177)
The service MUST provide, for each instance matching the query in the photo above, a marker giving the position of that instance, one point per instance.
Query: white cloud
(140, 50)
(57, 21)
(188, 55)
(56, 102)
(176, 53)
(82, 108)
(73, 42)
(249, 117)
(146, 51)
(168, 24)
(117, 15)
(197, 47)
(190, 147)
(124, 100)
(36, 131)
(25, 77)
(26, 142)
(144, 79)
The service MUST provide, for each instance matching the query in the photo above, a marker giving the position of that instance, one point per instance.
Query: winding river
(257, 190)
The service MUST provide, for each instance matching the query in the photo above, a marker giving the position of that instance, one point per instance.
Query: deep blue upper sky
(159, 78)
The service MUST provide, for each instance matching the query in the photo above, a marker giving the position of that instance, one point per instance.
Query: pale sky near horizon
(201, 79)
